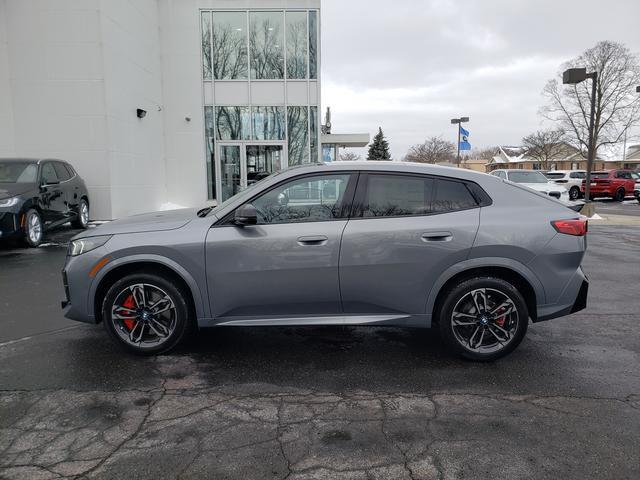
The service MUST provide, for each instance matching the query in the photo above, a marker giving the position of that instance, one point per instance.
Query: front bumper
(10, 225)
(77, 282)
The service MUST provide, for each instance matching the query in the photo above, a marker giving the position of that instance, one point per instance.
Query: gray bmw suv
(363, 243)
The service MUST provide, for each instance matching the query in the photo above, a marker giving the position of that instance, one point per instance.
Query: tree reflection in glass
(296, 45)
(268, 123)
(210, 144)
(266, 37)
(230, 45)
(232, 123)
(206, 45)
(298, 130)
(313, 44)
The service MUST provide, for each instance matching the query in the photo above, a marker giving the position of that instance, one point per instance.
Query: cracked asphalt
(320, 403)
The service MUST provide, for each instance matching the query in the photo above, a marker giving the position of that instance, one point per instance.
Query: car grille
(555, 195)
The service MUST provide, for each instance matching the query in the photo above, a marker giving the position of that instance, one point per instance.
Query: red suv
(616, 184)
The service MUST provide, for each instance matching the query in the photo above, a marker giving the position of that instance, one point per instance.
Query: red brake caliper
(131, 304)
(500, 321)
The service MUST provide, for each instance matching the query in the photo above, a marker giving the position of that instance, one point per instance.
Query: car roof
(390, 166)
(30, 160)
(565, 171)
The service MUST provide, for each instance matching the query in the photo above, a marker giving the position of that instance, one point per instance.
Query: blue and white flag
(464, 139)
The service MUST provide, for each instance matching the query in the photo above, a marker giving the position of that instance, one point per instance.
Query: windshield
(527, 177)
(554, 175)
(18, 172)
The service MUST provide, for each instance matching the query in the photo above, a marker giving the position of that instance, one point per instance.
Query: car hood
(8, 190)
(146, 222)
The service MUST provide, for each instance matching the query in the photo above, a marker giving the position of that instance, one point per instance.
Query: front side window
(229, 45)
(48, 173)
(451, 196)
(232, 123)
(266, 45)
(396, 195)
(310, 199)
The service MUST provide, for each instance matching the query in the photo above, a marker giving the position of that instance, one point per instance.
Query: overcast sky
(411, 66)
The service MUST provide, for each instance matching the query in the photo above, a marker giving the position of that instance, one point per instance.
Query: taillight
(576, 226)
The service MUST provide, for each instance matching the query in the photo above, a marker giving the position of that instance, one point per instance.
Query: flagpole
(458, 157)
(459, 122)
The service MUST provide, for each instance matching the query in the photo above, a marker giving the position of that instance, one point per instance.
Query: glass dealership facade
(261, 89)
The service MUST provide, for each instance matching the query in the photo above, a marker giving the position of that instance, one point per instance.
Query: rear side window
(49, 173)
(61, 171)
(578, 175)
(396, 195)
(600, 175)
(451, 196)
(554, 175)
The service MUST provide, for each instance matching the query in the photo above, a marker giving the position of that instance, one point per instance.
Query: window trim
(346, 209)
(356, 210)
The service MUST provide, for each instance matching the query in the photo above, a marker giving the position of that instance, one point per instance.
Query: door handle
(312, 240)
(437, 237)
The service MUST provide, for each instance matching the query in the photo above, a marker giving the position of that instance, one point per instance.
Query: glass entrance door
(242, 165)
(230, 171)
(262, 161)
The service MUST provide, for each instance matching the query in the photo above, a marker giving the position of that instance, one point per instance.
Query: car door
(52, 200)
(407, 231)
(67, 186)
(286, 266)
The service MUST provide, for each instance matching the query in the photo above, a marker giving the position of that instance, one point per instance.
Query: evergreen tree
(379, 148)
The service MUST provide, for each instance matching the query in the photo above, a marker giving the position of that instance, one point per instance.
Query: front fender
(202, 307)
(472, 263)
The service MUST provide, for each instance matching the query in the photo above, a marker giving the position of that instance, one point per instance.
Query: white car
(570, 179)
(535, 180)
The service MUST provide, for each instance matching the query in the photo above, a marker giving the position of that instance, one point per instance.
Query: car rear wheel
(619, 195)
(146, 314)
(33, 228)
(483, 318)
(82, 218)
(574, 193)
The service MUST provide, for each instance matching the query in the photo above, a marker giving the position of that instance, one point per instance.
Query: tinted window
(18, 172)
(48, 173)
(451, 195)
(527, 177)
(310, 199)
(577, 175)
(554, 175)
(397, 195)
(61, 171)
(600, 175)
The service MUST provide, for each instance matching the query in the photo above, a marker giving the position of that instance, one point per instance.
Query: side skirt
(397, 320)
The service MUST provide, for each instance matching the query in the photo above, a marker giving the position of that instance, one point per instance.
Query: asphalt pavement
(316, 403)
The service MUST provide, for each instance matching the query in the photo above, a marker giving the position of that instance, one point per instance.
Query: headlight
(84, 245)
(9, 202)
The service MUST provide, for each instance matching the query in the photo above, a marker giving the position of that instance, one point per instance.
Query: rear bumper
(573, 299)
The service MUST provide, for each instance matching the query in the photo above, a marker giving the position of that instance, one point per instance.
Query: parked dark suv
(36, 195)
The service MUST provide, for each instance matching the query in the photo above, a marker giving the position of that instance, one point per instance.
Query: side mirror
(246, 215)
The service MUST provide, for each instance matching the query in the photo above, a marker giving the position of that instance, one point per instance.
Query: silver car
(362, 243)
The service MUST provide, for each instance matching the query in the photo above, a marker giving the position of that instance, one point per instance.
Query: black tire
(458, 293)
(574, 193)
(81, 221)
(619, 195)
(33, 228)
(184, 323)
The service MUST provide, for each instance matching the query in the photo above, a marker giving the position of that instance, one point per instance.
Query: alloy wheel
(484, 320)
(84, 214)
(34, 228)
(144, 315)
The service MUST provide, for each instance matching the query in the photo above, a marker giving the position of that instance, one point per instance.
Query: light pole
(459, 121)
(571, 77)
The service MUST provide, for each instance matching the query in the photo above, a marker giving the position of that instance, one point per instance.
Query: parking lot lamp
(458, 121)
(574, 76)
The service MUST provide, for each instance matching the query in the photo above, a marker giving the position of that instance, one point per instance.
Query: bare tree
(433, 150)
(481, 154)
(617, 105)
(349, 157)
(545, 146)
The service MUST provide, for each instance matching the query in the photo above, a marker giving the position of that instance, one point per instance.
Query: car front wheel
(33, 228)
(483, 318)
(146, 314)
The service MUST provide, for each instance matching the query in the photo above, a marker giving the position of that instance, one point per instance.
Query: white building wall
(7, 147)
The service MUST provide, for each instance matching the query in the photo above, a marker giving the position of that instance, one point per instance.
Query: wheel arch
(121, 267)
(515, 273)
